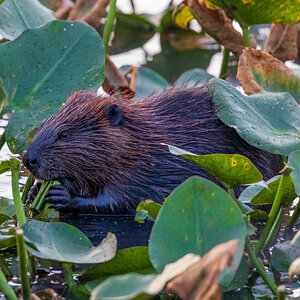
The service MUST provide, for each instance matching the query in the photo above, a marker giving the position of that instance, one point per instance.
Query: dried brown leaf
(63, 9)
(262, 62)
(216, 23)
(282, 41)
(115, 81)
(200, 281)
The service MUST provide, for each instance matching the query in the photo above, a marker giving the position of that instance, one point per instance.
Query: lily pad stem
(23, 263)
(273, 214)
(29, 183)
(6, 289)
(292, 221)
(259, 267)
(68, 274)
(2, 139)
(109, 24)
(246, 36)
(224, 66)
(17, 198)
(40, 197)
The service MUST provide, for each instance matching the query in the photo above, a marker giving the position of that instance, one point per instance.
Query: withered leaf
(282, 41)
(200, 281)
(258, 70)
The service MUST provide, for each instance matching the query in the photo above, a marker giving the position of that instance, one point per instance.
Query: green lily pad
(197, 216)
(294, 162)
(126, 35)
(230, 169)
(193, 77)
(76, 61)
(283, 255)
(6, 165)
(7, 241)
(259, 195)
(65, 243)
(135, 259)
(260, 11)
(7, 209)
(148, 81)
(147, 209)
(16, 16)
(260, 119)
(123, 287)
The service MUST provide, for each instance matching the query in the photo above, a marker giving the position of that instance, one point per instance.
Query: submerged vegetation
(204, 243)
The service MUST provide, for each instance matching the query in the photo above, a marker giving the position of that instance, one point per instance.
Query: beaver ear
(114, 114)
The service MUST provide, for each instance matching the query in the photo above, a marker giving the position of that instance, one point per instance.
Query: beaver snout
(30, 161)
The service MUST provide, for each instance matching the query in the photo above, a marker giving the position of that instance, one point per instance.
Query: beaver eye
(64, 135)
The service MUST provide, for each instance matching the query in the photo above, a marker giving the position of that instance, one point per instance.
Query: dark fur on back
(124, 164)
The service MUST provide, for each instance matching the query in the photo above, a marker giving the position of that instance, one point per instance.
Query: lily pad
(260, 119)
(6, 165)
(135, 259)
(65, 243)
(294, 162)
(230, 169)
(16, 16)
(147, 209)
(148, 81)
(7, 209)
(76, 61)
(259, 195)
(193, 77)
(260, 11)
(7, 241)
(197, 216)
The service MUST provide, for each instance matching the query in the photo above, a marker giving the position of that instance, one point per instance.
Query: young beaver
(108, 153)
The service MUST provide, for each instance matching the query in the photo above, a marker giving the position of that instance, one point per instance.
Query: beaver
(108, 153)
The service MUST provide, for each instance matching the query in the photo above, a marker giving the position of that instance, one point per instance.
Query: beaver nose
(30, 161)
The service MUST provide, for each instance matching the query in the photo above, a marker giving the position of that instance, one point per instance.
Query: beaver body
(108, 153)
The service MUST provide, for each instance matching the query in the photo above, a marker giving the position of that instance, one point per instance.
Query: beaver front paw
(34, 190)
(59, 197)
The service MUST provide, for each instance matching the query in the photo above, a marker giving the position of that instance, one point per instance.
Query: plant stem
(280, 294)
(4, 267)
(17, 199)
(109, 24)
(68, 274)
(224, 66)
(292, 221)
(272, 216)
(259, 267)
(6, 289)
(29, 183)
(275, 227)
(2, 139)
(246, 36)
(23, 263)
(40, 197)
(32, 264)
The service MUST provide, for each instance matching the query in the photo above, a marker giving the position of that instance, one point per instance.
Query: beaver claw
(59, 197)
(34, 190)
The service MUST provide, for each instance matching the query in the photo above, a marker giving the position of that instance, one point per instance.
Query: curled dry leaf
(200, 281)
(282, 41)
(64, 8)
(115, 81)
(272, 73)
(216, 23)
(294, 268)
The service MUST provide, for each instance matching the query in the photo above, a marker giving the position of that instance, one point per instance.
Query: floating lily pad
(259, 195)
(197, 216)
(16, 16)
(230, 169)
(76, 61)
(294, 162)
(260, 119)
(65, 243)
(147, 209)
(193, 77)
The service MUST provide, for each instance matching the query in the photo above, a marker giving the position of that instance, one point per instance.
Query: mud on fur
(108, 153)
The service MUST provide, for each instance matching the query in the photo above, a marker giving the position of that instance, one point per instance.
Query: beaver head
(80, 145)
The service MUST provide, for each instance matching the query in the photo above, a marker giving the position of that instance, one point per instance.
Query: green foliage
(251, 117)
(65, 243)
(51, 75)
(25, 14)
(193, 77)
(197, 216)
(147, 209)
(294, 162)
